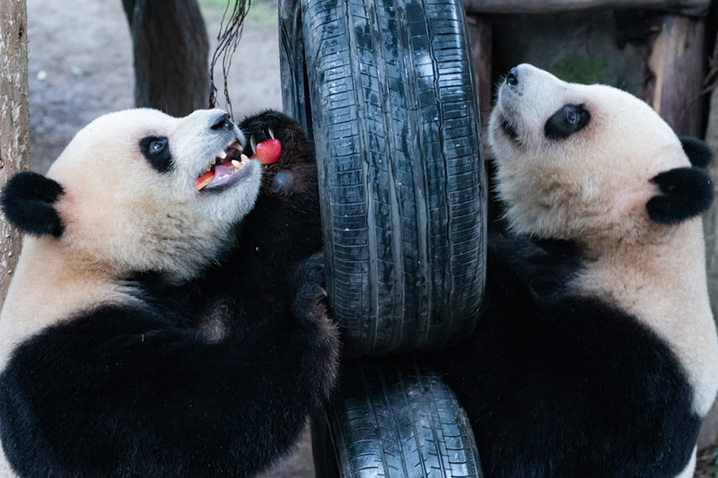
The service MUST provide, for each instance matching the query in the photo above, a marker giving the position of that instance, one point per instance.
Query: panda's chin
(509, 129)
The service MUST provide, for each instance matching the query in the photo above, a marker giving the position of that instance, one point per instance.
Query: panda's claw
(270, 132)
(253, 143)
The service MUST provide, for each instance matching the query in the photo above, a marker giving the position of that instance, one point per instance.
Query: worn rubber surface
(394, 420)
(395, 123)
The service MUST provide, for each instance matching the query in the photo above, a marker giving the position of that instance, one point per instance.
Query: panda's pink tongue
(220, 171)
(222, 174)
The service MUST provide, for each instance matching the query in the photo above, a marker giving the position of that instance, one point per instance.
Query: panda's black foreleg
(309, 308)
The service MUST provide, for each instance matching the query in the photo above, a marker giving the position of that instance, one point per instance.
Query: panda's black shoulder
(559, 369)
(542, 269)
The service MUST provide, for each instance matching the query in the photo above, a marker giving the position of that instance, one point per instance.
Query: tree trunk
(171, 51)
(14, 121)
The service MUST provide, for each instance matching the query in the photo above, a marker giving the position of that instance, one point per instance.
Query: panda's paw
(270, 125)
(309, 283)
(310, 309)
(288, 162)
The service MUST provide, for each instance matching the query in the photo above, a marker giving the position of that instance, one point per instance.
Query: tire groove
(421, 194)
(446, 287)
(390, 156)
(368, 332)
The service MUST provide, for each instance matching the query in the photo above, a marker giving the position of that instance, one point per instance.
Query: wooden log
(14, 122)
(481, 44)
(682, 7)
(675, 72)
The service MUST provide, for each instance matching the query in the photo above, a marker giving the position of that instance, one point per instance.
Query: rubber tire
(395, 122)
(393, 420)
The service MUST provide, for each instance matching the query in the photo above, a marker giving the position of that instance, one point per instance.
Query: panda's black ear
(685, 193)
(699, 154)
(28, 202)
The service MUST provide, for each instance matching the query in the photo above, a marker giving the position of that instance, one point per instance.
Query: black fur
(568, 120)
(558, 385)
(699, 153)
(156, 150)
(686, 193)
(214, 378)
(28, 203)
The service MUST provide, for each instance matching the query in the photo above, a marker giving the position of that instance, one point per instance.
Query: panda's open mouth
(222, 169)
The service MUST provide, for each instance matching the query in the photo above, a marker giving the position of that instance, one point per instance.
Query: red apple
(268, 152)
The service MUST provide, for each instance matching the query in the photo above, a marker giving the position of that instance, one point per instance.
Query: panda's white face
(130, 201)
(576, 161)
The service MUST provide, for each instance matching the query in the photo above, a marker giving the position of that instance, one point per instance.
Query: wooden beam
(676, 68)
(682, 7)
(14, 122)
(481, 44)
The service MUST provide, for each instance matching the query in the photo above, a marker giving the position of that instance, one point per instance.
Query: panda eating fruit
(596, 352)
(138, 337)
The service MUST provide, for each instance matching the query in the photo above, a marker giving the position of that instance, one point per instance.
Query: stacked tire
(385, 88)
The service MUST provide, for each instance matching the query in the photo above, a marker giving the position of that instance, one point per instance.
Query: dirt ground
(81, 67)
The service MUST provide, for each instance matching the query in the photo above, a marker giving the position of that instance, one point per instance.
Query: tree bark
(14, 120)
(171, 49)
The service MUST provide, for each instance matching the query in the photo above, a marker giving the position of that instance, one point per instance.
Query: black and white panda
(138, 337)
(596, 352)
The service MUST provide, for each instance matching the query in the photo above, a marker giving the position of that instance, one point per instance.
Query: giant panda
(595, 353)
(155, 328)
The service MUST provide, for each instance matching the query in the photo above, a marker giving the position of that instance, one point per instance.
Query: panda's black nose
(223, 122)
(512, 79)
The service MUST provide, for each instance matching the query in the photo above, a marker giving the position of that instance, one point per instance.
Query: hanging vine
(230, 32)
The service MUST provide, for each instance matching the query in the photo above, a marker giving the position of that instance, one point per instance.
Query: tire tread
(395, 122)
(397, 420)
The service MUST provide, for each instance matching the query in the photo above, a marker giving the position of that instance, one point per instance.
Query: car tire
(385, 88)
(395, 420)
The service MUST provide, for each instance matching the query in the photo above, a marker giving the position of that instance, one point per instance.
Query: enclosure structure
(662, 51)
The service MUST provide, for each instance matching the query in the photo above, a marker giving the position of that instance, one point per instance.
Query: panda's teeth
(244, 158)
(236, 145)
(236, 164)
(222, 155)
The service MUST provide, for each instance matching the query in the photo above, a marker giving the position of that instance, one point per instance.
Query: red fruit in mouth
(268, 152)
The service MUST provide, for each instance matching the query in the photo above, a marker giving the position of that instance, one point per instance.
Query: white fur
(690, 468)
(592, 187)
(5, 469)
(121, 216)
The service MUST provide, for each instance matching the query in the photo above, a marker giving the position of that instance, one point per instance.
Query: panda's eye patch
(156, 150)
(569, 119)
